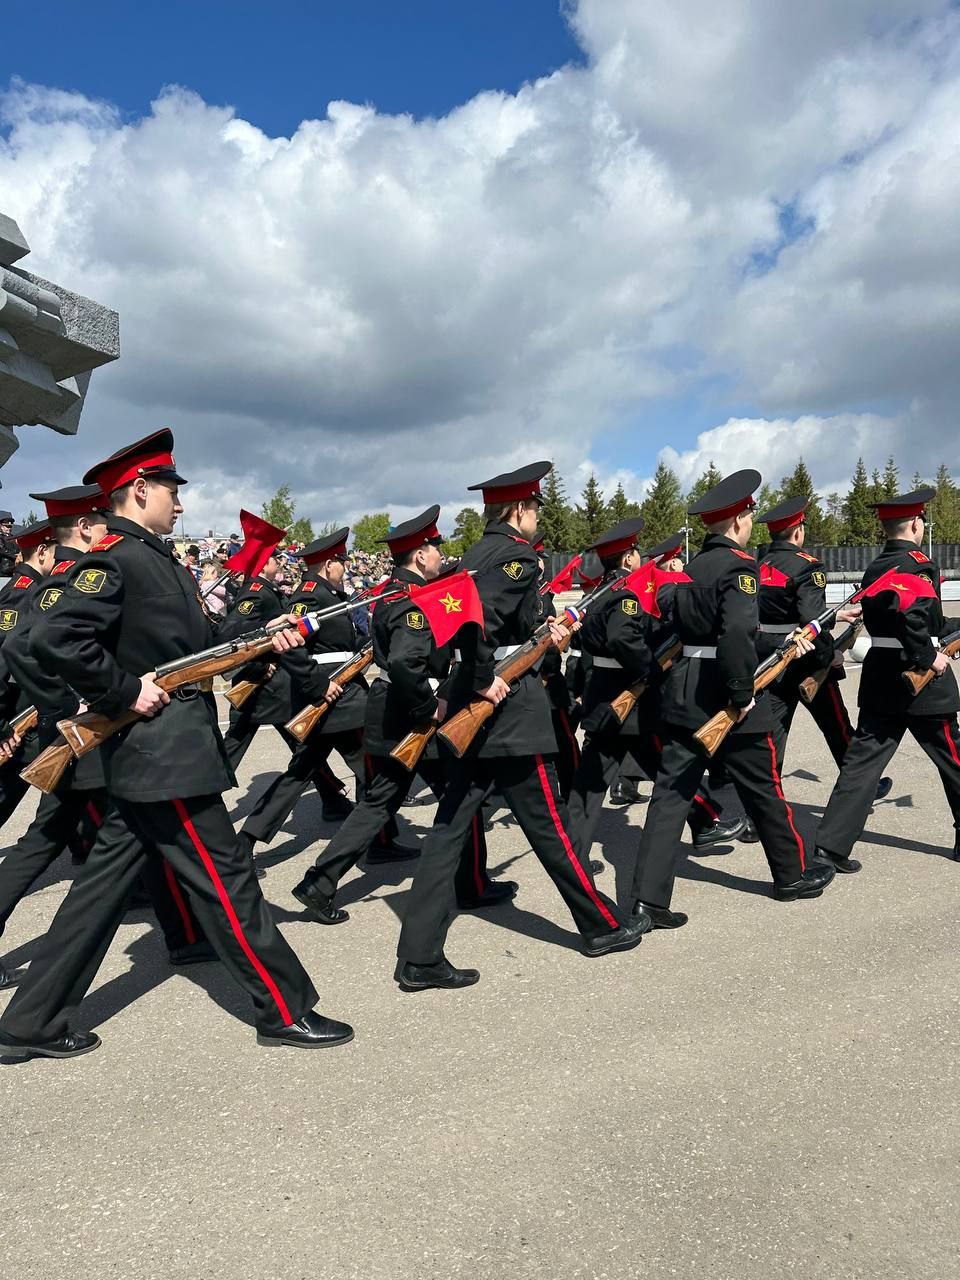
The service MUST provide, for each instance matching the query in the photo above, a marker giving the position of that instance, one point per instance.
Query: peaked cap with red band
(30, 536)
(906, 506)
(75, 500)
(330, 547)
(785, 515)
(260, 543)
(151, 457)
(622, 537)
(729, 498)
(513, 486)
(414, 533)
(668, 549)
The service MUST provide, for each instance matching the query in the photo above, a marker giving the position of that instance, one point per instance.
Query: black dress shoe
(624, 791)
(312, 1031)
(846, 866)
(810, 885)
(719, 833)
(497, 891)
(749, 834)
(596, 866)
(394, 852)
(421, 977)
(884, 787)
(335, 809)
(70, 1045)
(319, 905)
(660, 917)
(10, 977)
(192, 953)
(622, 939)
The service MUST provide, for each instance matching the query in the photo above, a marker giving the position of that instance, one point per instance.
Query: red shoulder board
(109, 541)
(23, 581)
(62, 567)
(744, 555)
(515, 538)
(919, 557)
(806, 556)
(771, 577)
(308, 586)
(255, 586)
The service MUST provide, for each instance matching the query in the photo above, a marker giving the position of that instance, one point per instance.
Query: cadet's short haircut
(119, 496)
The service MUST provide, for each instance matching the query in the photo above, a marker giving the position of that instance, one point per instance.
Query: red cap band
(616, 548)
(512, 492)
(788, 522)
(57, 509)
(328, 553)
(399, 546)
(32, 538)
(902, 513)
(115, 475)
(727, 513)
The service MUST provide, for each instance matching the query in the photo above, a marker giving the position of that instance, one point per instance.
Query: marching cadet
(905, 621)
(341, 729)
(511, 754)
(558, 691)
(35, 543)
(404, 697)
(78, 520)
(127, 608)
(290, 683)
(622, 638)
(715, 617)
(793, 591)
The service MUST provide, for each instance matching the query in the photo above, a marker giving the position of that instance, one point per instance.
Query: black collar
(506, 531)
(130, 529)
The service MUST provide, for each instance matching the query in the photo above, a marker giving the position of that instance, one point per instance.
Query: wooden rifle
(21, 725)
(812, 684)
(624, 702)
(305, 721)
(712, 734)
(918, 680)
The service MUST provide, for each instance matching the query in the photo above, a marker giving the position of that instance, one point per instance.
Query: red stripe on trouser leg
(568, 848)
(776, 782)
(707, 808)
(950, 742)
(475, 832)
(657, 744)
(840, 712)
(571, 736)
(188, 930)
(231, 915)
(96, 817)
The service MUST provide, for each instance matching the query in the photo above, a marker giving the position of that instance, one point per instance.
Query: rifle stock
(409, 749)
(46, 771)
(307, 718)
(918, 680)
(243, 690)
(624, 702)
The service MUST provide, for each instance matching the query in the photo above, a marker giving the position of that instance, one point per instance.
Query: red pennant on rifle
(771, 577)
(447, 604)
(260, 539)
(906, 587)
(564, 579)
(646, 581)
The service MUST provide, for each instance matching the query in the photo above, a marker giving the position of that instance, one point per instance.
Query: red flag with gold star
(646, 581)
(447, 604)
(906, 587)
(564, 579)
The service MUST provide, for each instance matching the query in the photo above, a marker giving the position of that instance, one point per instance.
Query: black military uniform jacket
(295, 681)
(716, 609)
(615, 629)
(411, 666)
(15, 600)
(507, 573)
(882, 688)
(48, 691)
(128, 608)
(339, 638)
(793, 591)
(8, 557)
(551, 669)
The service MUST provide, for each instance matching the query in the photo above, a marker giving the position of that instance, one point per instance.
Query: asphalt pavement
(768, 1092)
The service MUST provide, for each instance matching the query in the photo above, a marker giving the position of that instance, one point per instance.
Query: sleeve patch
(629, 607)
(109, 541)
(747, 583)
(90, 581)
(819, 578)
(513, 569)
(8, 619)
(49, 597)
(298, 610)
(415, 620)
(62, 567)
(245, 607)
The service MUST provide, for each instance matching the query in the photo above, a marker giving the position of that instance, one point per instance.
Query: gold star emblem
(451, 604)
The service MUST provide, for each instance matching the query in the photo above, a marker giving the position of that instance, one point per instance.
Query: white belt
(434, 684)
(699, 650)
(778, 628)
(888, 642)
(504, 651)
(324, 659)
(608, 662)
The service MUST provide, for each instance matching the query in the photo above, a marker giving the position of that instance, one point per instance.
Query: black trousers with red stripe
(280, 798)
(382, 798)
(197, 839)
(528, 785)
(829, 713)
(874, 745)
(751, 762)
(240, 735)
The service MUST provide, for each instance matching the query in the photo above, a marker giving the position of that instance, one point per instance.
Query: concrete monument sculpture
(50, 342)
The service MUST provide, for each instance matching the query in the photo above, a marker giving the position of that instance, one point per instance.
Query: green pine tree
(943, 512)
(859, 517)
(620, 507)
(834, 531)
(712, 476)
(556, 519)
(590, 514)
(799, 484)
(663, 509)
(768, 497)
(891, 479)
